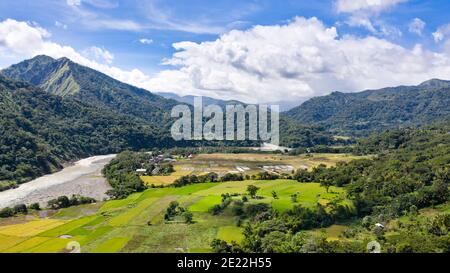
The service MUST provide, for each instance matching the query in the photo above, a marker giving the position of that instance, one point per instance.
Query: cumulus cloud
(365, 14)
(21, 40)
(290, 62)
(441, 33)
(146, 41)
(299, 60)
(417, 26)
(373, 6)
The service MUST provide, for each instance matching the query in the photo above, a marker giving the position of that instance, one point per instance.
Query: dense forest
(411, 172)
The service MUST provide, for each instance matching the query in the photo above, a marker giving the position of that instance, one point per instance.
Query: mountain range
(360, 114)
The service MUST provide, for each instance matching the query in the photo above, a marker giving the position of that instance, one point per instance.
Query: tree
(294, 198)
(21, 208)
(6, 212)
(188, 217)
(327, 183)
(413, 210)
(35, 206)
(252, 190)
(59, 203)
(171, 211)
(274, 195)
(220, 246)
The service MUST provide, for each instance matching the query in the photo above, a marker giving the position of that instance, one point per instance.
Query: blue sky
(134, 42)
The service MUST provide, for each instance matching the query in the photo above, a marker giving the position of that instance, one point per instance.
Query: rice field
(245, 163)
(136, 224)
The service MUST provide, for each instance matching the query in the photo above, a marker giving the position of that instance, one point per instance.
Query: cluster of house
(157, 160)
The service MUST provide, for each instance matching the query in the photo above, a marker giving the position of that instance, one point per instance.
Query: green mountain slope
(65, 78)
(39, 131)
(358, 114)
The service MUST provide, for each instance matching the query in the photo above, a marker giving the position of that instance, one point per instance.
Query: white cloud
(441, 33)
(417, 26)
(21, 40)
(60, 25)
(361, 21)
(146, 41)
(291, 62)
(366, 13)
(99, 54)
(373, 6)
(73, 2)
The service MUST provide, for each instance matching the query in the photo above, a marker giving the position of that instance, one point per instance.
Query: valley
(136, 223)
(357, 167)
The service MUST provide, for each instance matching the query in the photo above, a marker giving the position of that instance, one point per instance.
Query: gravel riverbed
(83, 178)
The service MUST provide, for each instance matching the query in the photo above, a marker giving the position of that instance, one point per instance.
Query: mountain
(359, 114)
(292, 133)
(39, 131)
(65, 78)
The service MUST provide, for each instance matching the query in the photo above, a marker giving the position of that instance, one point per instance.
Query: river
(82, 178)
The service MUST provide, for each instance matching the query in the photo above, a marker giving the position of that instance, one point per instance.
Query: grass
(27, 245)
(230, 234)
(136, 224)
(180, 170)
(333, 232)
(9, 241)
(124, 218)
(31, 228)
(112, 245)
(67, 228)
(205, 203)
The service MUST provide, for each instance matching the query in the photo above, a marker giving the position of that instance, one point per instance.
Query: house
(169, 160)
(141, 171)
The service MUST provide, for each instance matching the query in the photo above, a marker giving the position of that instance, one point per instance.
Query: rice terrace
(137, 224)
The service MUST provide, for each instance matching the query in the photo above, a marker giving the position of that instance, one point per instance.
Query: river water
(83, 178)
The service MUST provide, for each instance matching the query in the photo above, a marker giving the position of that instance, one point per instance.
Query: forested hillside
(359, 114)
(39, 131)
(65, 78)
(401, 200)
